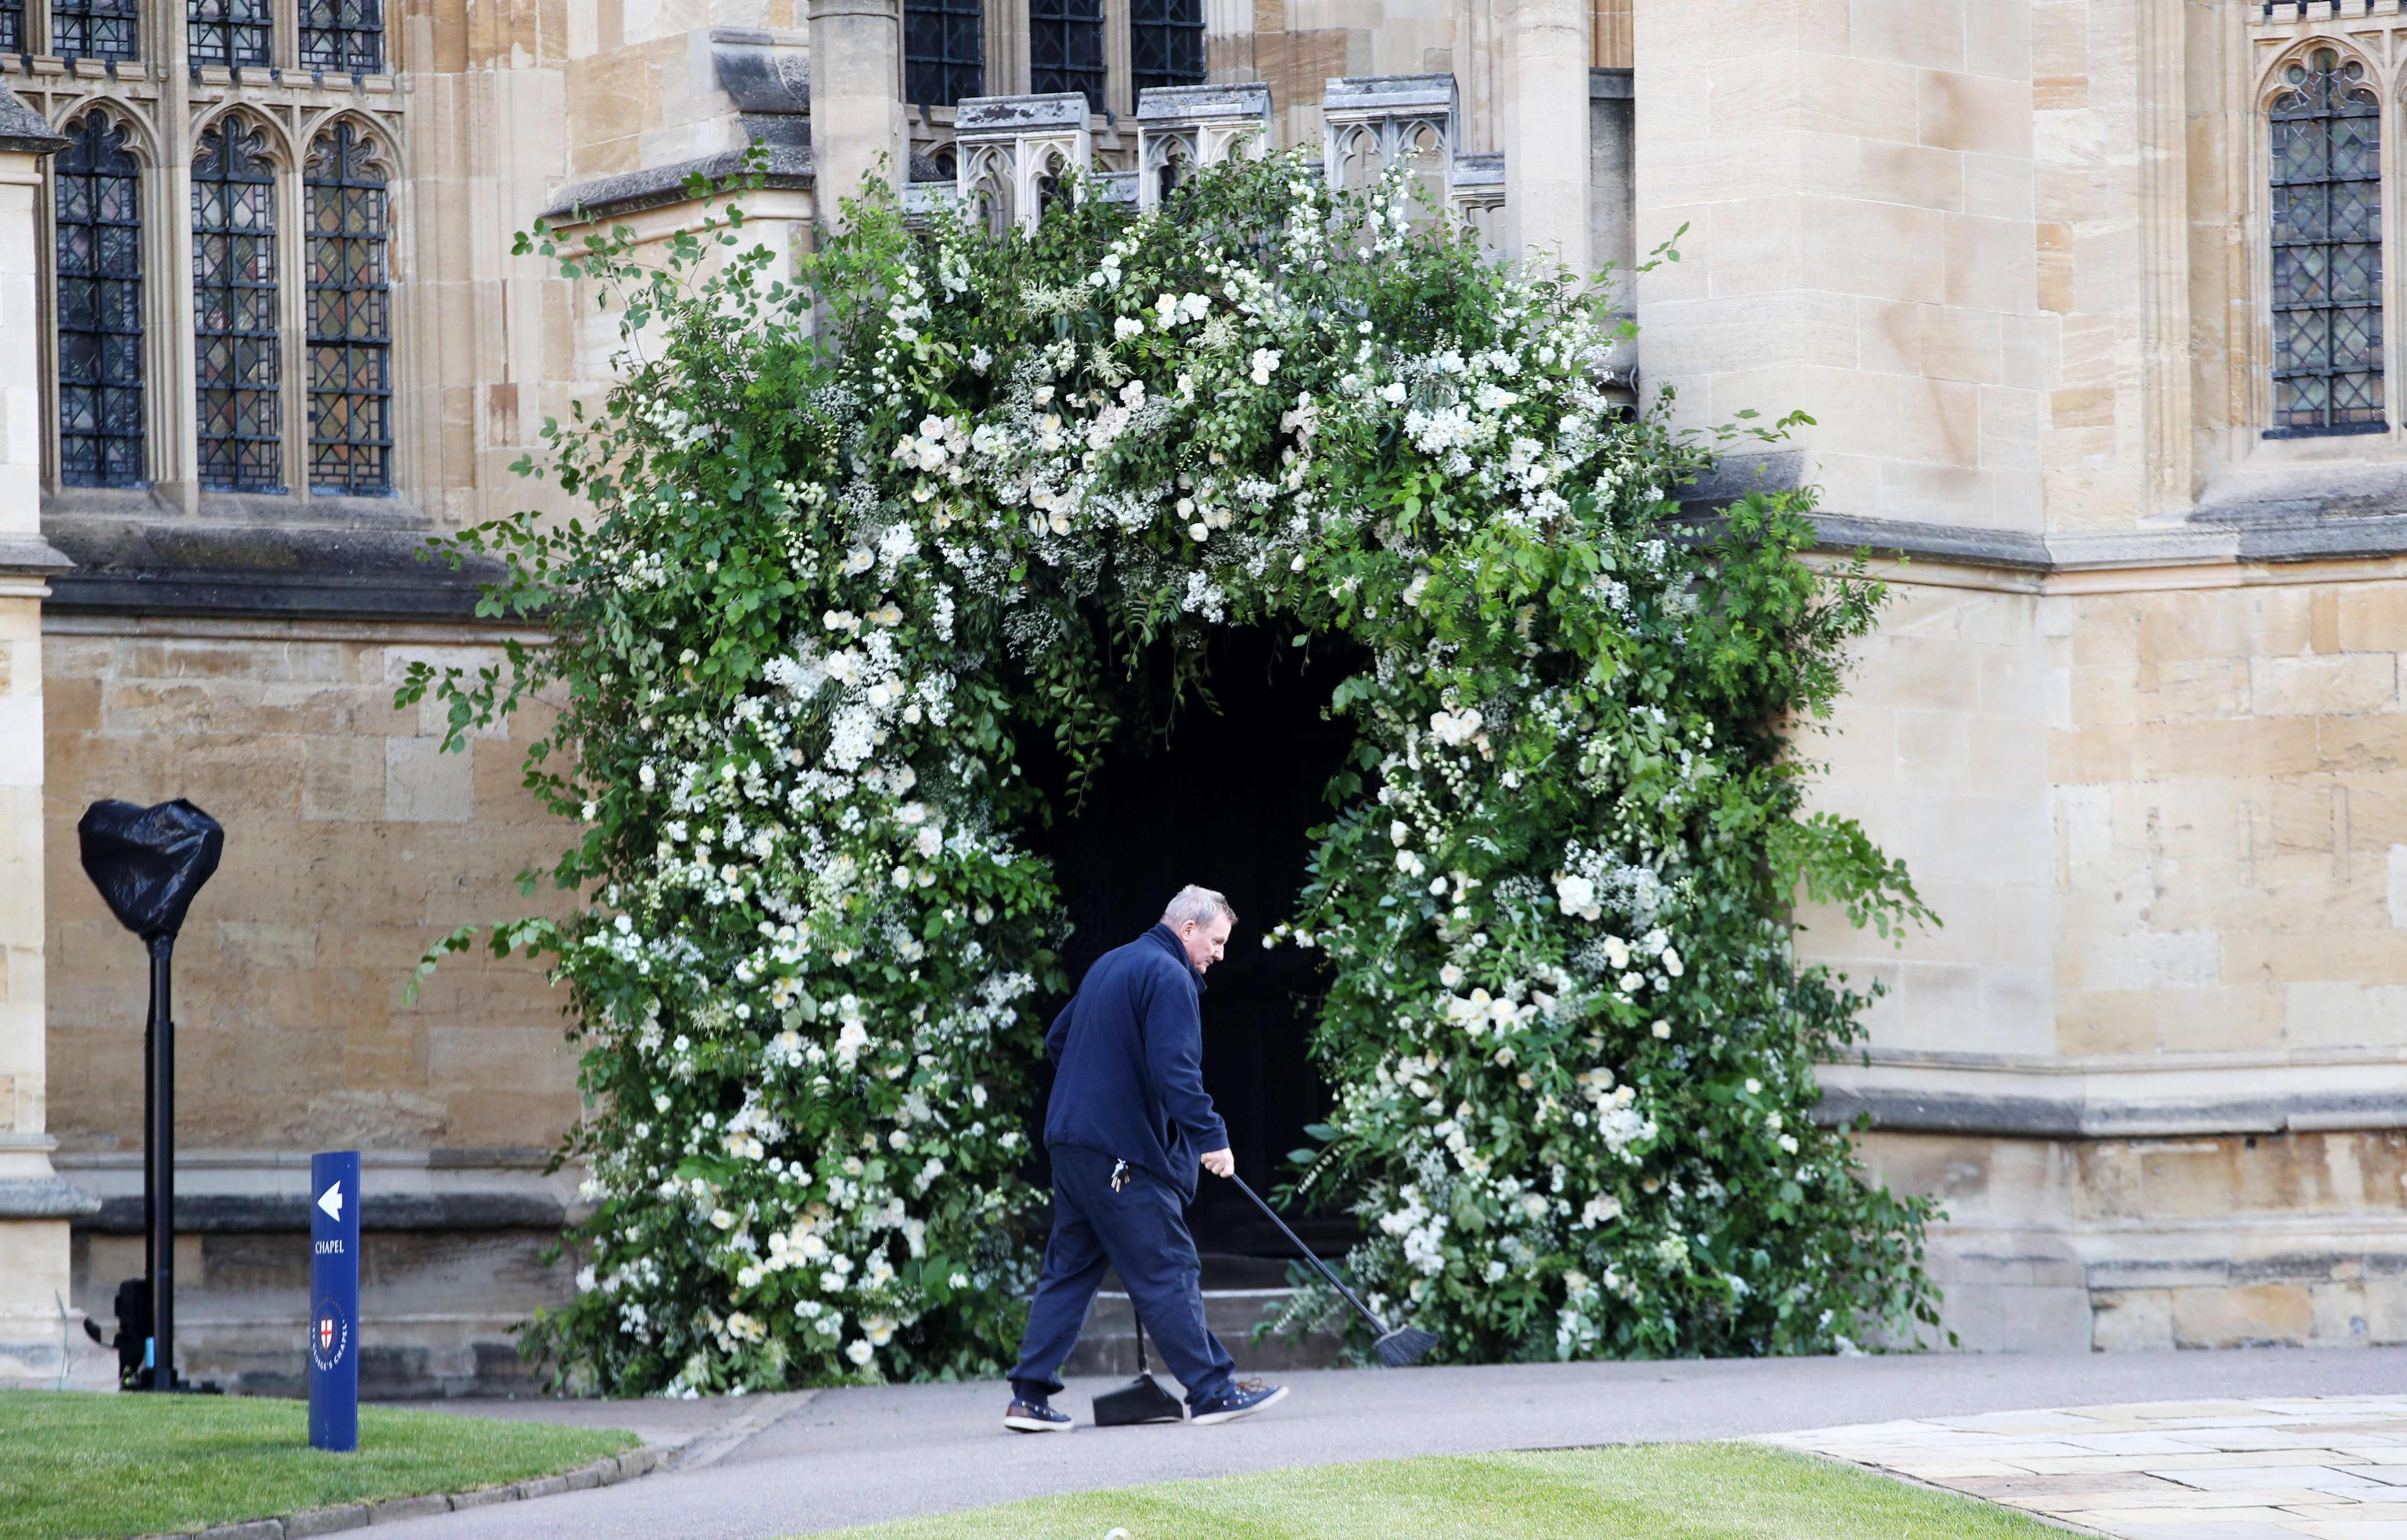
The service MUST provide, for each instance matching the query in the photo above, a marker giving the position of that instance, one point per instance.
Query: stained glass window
(1065, 49)
(12, 27)
(1166, 43)
(234, 310)
(93, 29)
(228, 32)
(944, 57)
(343, 36)
(351, 318)
(97, 203)
(2326, 198)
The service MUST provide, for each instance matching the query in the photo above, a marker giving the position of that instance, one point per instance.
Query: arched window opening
(350, 317)
(944, 51)
(343, 36)
(95, 29)
(1166, 43)
(2326, 234)
(233, 310)
(236, 33)
(1065, 49)
(96, 200)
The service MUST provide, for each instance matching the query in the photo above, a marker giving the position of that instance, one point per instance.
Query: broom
(1395, 1349)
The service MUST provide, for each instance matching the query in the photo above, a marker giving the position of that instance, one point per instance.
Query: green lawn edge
(1648, 1492)
(76, 1465)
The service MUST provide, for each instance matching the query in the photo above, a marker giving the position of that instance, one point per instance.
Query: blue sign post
(335, 1300)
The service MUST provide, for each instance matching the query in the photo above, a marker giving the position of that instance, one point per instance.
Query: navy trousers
(1141, 1229)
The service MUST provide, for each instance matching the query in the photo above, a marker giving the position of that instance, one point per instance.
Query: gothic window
(944, 57)
(234, 310)
(1065, 49)
(93, 29)
(12, 27)
(1166, 43)
(98, 210)
(2326, 202)
(343, 36)
(230, 32)
(351, 318)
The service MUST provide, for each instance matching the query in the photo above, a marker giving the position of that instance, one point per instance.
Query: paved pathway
(2332, 1467)
(853, 1456)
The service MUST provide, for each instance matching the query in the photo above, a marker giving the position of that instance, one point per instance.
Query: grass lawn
(1660, 1491)
(75, 1465)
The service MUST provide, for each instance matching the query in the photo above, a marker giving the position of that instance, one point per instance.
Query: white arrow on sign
(332, 1201)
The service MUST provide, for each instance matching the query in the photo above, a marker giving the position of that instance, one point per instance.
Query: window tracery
(235, 361)
(236, 33)
(1165, 43)
(345, 35)
(944, 51)
(95, 29)
(2327, 249)
(350, 317)
(97, 216)
(1065, 49)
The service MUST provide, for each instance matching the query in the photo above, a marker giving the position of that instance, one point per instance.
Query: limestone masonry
(2087, 303)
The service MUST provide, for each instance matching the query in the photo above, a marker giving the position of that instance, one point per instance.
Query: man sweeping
(1129, 1124)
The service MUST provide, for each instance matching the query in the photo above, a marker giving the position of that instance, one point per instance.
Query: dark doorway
(1226, 801)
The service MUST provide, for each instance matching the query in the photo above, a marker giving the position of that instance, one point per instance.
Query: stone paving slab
(2330, 1467)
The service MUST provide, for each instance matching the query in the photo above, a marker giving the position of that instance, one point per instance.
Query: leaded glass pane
(95, 29)
(96, 210)
(351, 318)
(2327, 248)
(944, 54)
(1166, 43)
(230, 32)
(1065, 49)
(343, 36)
(233, 310)
(12, 27)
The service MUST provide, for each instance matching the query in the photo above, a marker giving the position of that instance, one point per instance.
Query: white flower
(1616, 952)
(959, 1280)
(1755, 1088)
(1266, 363)
(930, 841)
(1576, 895)
(1198, 530)
(1788, 1143)
(1392, 392)
(880, 1330)
(1450, 975)
(841, 620)
(1126, 327)
(860, 559)
(1453, 728)
(1672, 964)
(860, 1353)
(722, 1218)
(1399, 833)
(1661, 1029)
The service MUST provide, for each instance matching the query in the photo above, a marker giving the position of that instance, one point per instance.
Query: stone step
(1109, 1344)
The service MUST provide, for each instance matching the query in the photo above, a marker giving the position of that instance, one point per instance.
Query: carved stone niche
(1015, 154)
(1370, 123)
(1180, 129)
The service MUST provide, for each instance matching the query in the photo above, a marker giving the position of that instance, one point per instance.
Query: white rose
(1575, 893)
(860, 1353)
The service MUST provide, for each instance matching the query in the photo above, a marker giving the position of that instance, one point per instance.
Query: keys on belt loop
(1119, 1173)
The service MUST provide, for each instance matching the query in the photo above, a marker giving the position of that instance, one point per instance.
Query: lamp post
(150, 864)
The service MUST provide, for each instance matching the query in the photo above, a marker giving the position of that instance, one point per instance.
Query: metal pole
(149, 1147)
(163, 1163)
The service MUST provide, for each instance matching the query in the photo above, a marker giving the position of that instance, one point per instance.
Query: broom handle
(1326, 1270)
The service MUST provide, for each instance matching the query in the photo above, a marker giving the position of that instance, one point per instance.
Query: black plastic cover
(150, 862)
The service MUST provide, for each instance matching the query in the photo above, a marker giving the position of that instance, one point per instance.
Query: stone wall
(352, 843)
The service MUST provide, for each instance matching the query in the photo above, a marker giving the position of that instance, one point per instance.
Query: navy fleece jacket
(1130, 1044)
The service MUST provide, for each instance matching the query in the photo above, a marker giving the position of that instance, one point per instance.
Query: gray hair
(1199, 904)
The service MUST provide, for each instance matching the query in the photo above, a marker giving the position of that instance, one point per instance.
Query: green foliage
(857, 531)
(85, 1464)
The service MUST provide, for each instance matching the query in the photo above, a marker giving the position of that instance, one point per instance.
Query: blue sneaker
(1242, 1399)
(1037, 1417)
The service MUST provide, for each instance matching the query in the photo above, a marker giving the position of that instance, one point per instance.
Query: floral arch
(856, 536)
